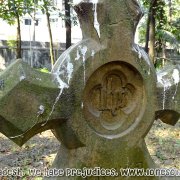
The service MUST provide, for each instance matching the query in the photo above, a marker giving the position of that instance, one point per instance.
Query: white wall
(41, 31)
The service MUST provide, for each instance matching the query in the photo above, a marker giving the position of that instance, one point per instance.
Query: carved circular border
(114, 99)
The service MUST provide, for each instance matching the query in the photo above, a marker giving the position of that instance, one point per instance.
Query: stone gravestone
(168, 93)
(100, 99)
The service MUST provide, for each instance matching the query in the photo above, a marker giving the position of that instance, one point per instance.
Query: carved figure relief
(113, 104)
(113, 94)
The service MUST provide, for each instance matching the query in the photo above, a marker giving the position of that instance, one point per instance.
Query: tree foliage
(11, 11)
(167, 17)
(160, 31)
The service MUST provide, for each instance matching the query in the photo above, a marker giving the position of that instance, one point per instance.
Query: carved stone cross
(100, 99)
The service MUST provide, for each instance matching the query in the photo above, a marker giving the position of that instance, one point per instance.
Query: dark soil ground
(163, 142)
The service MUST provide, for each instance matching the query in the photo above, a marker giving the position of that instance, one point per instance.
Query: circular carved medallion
(114, 98)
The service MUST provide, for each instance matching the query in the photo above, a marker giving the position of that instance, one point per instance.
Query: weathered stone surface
(115, 106)
(106, 94)
(26, 100)
(168, 92)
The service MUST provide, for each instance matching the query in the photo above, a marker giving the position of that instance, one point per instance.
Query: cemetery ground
(163, 142)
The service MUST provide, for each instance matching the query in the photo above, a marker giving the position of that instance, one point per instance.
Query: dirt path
(163, 142)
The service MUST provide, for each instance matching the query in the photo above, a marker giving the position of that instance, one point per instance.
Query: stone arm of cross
(168, 94)
(26, 100)
(27, 97)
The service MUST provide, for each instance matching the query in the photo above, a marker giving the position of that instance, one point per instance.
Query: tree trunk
(163, 52)
(147, 34)
(34, 26)
(170, 11)
(50, 38)
(68, 23)
(152, 24)
(18, 49)
(152, 38)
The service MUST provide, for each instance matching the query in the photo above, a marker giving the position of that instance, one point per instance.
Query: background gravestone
(168, 94)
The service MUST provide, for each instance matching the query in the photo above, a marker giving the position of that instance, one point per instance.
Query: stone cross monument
(100, 100)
